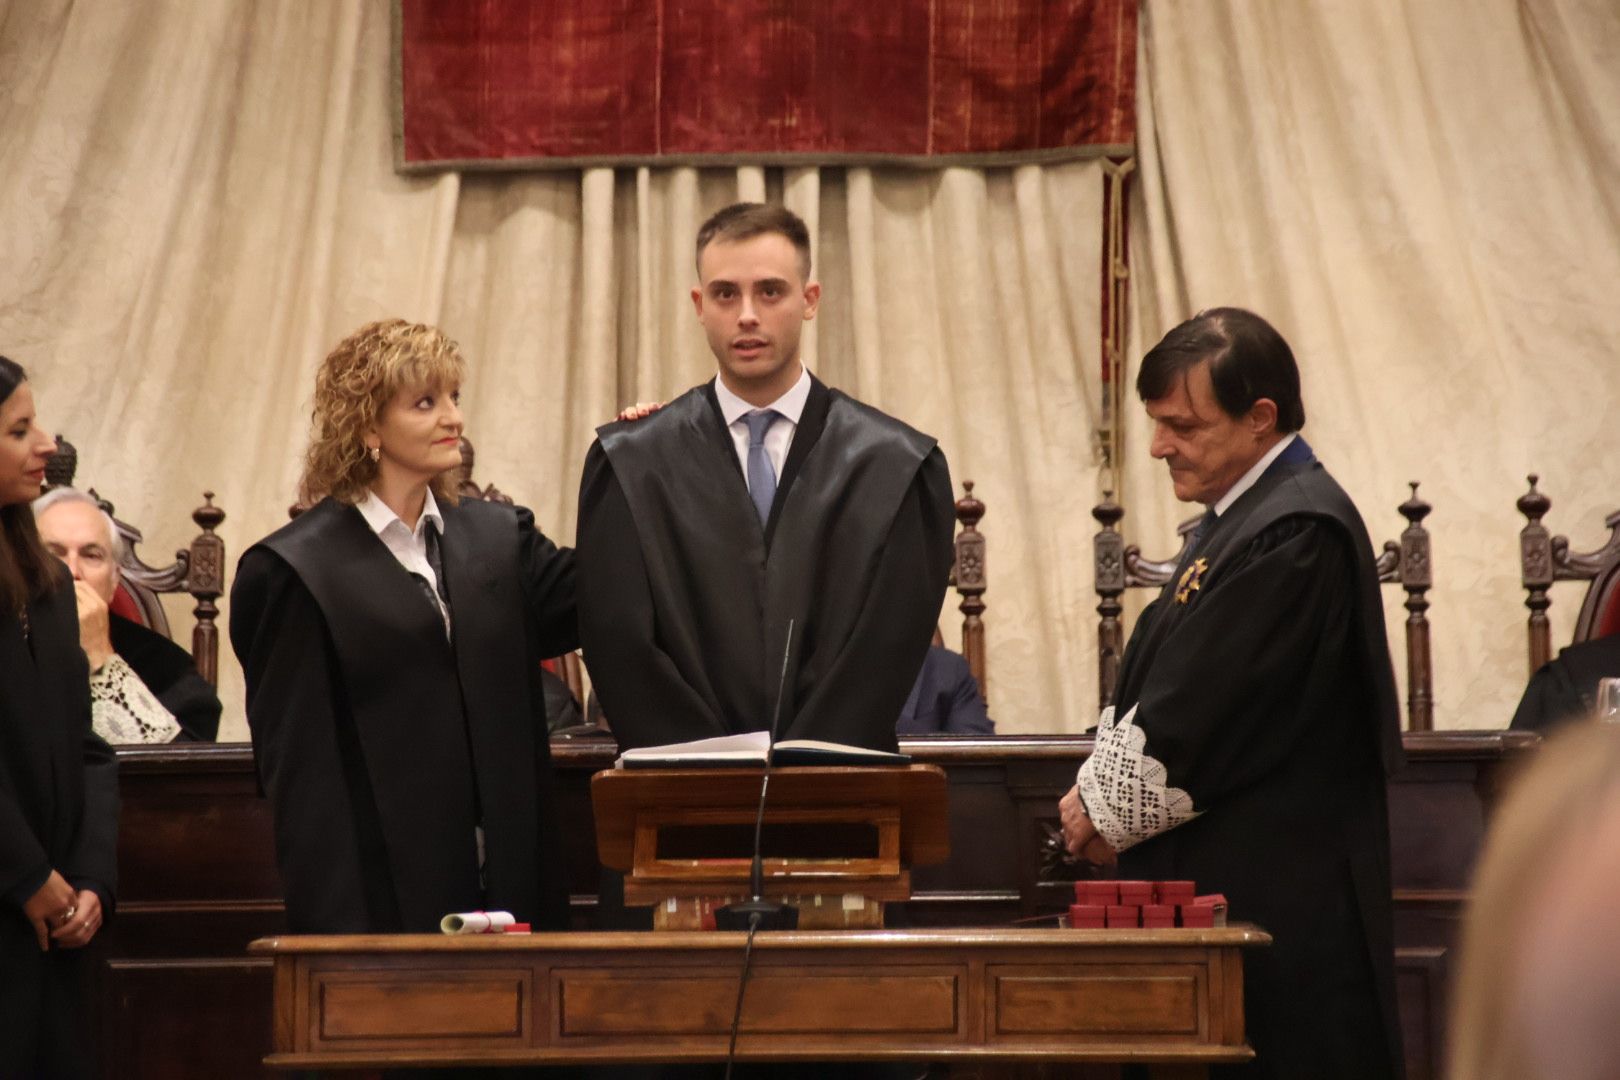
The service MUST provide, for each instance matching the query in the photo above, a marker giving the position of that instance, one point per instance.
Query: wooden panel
(157, 1018)
(780, 1001)
(199, 878)
(1420, 985)
(421, 1005)
(1090, 1002)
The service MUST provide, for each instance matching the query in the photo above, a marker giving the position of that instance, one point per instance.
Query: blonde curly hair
(355, 381)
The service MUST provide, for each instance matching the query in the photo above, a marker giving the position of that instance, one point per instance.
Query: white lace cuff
(124, 710)
(1124, 789)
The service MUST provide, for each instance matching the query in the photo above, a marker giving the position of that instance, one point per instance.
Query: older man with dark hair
(1255, 718)
(143, 687)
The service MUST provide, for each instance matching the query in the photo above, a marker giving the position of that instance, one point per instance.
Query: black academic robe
(58, 811)
(382, 745)
(1564, 690)
(168, 671)
(1268, 697)
(687, 599)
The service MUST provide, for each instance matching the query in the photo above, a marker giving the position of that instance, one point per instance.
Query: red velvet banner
(562, 83)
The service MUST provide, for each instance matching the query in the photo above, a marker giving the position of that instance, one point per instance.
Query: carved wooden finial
(1414, 509)
(969, 510)
(208, 516)
(1108, 512)
(1533, 504)
(60, 466)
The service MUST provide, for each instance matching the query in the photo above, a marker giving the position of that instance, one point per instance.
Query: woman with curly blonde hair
(391, 638)
(1538, 986)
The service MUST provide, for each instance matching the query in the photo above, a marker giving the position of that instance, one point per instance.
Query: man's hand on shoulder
(640, 410)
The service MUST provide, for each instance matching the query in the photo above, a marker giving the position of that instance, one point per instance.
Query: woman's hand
(77, 931)
(95, 638)
(53, 905)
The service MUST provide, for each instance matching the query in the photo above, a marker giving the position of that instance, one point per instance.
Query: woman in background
(58, 781)
(391, 637)
(1538, 985)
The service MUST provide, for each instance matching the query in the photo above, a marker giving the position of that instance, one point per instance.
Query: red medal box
(1087, 916)
(1126, 915)
(1158, 916)
(1135, 892)
(1096, 892)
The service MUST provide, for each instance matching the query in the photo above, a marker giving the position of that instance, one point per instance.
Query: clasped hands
(62, 914)
(1080, 836)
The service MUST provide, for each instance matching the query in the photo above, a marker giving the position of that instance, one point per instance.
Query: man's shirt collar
(790, 404)
(1250, 478)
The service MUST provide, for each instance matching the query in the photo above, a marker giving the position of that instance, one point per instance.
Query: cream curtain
(198, 200)
(1424, 197)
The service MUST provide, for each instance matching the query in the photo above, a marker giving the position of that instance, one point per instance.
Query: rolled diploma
(476, 922)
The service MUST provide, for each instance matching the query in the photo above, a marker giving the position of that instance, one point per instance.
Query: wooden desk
(1146, 996)
(197, 880)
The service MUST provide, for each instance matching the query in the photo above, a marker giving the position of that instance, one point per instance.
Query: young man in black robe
(755, 499)
(1255, 721)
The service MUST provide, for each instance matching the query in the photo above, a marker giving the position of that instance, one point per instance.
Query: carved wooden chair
(198, 569)
(968, 579)
(1117, 566)
(1544, 559)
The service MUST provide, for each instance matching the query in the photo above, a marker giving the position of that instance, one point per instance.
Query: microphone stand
(758, 913)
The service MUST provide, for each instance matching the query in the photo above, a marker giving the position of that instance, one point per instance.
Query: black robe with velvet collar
(686, 598)
(380, 744)
(1262, 686)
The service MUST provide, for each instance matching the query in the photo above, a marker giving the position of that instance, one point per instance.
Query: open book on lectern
(748, 750)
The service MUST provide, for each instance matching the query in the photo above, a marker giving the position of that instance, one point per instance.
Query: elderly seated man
(143, 687)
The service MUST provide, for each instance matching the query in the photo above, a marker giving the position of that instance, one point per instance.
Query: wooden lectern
(837, 842)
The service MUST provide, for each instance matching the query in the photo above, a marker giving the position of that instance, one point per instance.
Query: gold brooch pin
(1191, 580)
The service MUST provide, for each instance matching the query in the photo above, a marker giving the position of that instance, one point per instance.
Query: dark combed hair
(1248, 360)
(27, 570)
(745, 220)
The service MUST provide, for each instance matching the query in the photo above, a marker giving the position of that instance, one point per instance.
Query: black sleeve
(293, 713)
(195, 705)
(93, 861)
(549, 586)
(171, 674)
(644, 699)
(1565, 688)
(1221, 707)
(858, 695)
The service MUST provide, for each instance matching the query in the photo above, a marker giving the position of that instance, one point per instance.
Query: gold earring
(376, 454)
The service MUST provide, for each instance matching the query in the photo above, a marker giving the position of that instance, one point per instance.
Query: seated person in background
(945, 699)
(1565, 689)
(562, 708)
(143, 687)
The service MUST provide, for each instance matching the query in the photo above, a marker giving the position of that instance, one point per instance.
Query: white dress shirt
(780, 436)
(409, 546)
(1249, 479)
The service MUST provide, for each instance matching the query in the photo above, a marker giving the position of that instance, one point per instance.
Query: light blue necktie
(761, 477)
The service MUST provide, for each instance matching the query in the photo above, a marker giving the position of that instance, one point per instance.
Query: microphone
(758, 913)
